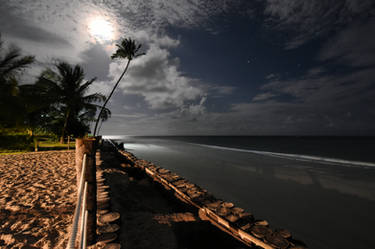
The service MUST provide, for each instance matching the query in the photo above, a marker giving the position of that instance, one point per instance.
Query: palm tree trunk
(64, 127)
(110, 95)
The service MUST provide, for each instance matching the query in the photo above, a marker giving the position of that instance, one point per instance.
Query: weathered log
(87, 146)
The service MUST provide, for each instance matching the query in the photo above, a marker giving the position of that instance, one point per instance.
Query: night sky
(286, 67)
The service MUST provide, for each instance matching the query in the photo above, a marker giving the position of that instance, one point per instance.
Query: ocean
(322, 189)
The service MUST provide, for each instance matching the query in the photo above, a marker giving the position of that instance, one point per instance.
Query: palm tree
(126, 49)
(11, 65)
(71, 110)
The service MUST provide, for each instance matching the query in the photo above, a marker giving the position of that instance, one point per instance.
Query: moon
(101, 29)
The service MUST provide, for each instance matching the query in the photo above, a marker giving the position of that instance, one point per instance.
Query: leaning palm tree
(11, 65)
(65, 88)
(126, 49)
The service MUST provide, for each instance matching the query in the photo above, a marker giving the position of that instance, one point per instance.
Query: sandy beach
(37, 198)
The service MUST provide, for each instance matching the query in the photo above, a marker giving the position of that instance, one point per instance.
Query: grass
(51, 145)
(18, 142)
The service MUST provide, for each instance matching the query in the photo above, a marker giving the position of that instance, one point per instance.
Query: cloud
(16, 26)
(96, 62)
(157, 78)
(306, 20)
(318, 103)
(263, 96)
(353, 46)
(184, 13)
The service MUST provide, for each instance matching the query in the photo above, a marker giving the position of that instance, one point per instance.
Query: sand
(37, 199)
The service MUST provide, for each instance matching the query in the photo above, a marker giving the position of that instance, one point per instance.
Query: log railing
(80, 213)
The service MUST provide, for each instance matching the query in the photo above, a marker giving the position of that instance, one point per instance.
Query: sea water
(321, 189)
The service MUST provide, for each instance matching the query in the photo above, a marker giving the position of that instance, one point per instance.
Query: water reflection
(323, 205)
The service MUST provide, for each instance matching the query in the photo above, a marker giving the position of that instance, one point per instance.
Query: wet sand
(153, 218)
(37, 199)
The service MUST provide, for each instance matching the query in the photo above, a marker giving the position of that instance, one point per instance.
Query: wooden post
(88, 146)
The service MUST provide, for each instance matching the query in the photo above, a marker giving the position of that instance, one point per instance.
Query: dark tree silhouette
(11, 65)
(126, 49)
(71, 109)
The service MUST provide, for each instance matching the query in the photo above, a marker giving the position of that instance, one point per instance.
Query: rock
(103, 194)
(109, 217)
(243, 223)
(261, 223)
(102, 187)
(108, 228)
(102, 211)
(106, 237)
(163, 171)
(237, 210)
(277, 240)
(246, 227)
(112, 246)
(297, 244)
(284, 233)
(232, 218)
(246, 215)
(102, 200)
(260, 231)
(100, 180)
(179, 183)
(222, 211)
(102, 206)
(227, 204)
(214, 205)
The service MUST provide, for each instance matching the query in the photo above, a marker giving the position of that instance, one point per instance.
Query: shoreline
(224, 215)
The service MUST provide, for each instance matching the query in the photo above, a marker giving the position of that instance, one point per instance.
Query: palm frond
(128, 49)
(96, 97)
(13, 63)
(84, 86)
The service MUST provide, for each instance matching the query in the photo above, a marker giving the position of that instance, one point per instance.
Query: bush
(16, 143)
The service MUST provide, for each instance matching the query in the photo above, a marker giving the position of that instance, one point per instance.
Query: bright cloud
(157, 78)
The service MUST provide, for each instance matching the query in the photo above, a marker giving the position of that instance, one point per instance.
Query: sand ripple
(37, 198)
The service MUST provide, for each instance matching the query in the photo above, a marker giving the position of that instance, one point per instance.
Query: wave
(317, 159)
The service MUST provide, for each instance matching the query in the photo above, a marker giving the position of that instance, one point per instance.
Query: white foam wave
(316, 159)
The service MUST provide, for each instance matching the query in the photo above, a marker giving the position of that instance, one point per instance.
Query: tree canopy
(12, 63)
(71, 106)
